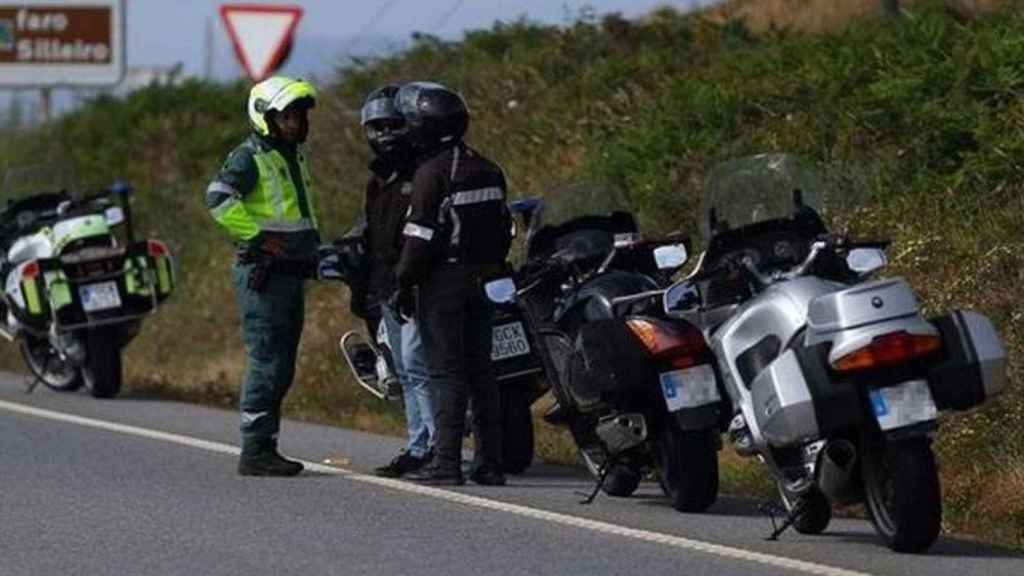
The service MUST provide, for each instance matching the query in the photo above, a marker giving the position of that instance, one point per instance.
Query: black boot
(434, 474)
(400, 465)
(487, 476)
(260, 458)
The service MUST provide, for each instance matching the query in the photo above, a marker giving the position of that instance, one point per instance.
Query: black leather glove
(403, 301)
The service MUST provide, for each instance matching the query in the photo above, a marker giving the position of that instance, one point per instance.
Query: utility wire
(370, 24)
(447, 16)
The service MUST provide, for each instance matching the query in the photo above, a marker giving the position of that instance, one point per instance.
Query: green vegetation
(918, 122)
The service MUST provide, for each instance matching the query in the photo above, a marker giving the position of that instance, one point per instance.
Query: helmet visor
(379, 109)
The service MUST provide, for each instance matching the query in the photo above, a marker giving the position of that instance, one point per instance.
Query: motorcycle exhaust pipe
(835, 469)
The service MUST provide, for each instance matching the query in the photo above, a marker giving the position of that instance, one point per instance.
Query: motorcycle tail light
(887, 351)
(30, 271)
(681, 346)
(156, 248)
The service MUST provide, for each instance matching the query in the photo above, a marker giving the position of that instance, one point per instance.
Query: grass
(917, 122)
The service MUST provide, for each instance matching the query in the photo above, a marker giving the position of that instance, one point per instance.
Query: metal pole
(45, 102)
(208, 51)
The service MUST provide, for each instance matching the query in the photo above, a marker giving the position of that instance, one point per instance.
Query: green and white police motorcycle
(76, 285)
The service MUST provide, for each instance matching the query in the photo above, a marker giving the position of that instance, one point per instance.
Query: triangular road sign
(261, 35)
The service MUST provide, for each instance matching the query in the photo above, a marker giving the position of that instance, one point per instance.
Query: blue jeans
(411, 366)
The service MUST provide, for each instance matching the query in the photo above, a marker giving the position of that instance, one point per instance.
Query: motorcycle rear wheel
(517, 442)
(903, 496)
(44, 362)
(688, 467)
(102, 370)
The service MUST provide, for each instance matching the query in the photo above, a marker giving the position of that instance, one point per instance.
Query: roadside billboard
(62, 43)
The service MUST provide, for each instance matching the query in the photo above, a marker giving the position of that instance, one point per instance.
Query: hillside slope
(920, 119)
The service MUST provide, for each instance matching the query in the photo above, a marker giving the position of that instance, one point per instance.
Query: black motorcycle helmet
(381, 121)
(435, 116)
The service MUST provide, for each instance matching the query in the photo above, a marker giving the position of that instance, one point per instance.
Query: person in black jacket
(457, 236)
(387, 201)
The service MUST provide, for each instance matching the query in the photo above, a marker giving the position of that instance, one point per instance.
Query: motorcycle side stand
(36, 381)
(770, 509)
(609, 463)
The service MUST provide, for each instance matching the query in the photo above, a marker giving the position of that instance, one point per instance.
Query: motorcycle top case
(608, 364)
(860, 305)
(973, 366)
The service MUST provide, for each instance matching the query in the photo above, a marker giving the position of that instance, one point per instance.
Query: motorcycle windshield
(758, 189)
(581, 219)
(22, 182)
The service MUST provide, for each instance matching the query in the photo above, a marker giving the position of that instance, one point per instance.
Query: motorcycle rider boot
(260, 458)
(487, 476)
(437, 474)
(402, 464)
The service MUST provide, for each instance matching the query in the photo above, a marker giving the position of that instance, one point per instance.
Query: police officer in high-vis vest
(263, 197)
(457, 236)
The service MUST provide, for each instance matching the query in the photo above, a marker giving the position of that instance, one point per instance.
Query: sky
(163, 32)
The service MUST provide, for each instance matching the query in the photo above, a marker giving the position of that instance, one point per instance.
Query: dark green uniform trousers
(271, 328)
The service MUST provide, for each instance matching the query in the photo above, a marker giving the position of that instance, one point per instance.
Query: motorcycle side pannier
(795, 399)
(608, 361)
(972, 368)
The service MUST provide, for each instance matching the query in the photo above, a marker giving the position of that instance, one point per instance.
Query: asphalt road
(138, 486)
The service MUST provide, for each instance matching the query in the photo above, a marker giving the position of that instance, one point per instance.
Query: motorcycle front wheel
(902, 494)
(102, 370)
(517, 440)
(621, 481)
(817, 511)
(46, 364)
(688, 467)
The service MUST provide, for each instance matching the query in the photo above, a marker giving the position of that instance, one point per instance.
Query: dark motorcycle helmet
(435, 115)
(382, 122)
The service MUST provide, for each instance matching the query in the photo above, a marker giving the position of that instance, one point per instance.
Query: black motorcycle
(637, 390)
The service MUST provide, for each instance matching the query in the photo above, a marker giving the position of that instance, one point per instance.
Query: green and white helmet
(276, 93)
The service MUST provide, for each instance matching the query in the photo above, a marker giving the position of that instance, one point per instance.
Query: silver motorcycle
(836, 379)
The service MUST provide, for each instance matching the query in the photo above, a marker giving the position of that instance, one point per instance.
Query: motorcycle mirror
(501, 291)
(121, 188)
(670, 257)
(864, 261)
(682, 297)
(113, 215)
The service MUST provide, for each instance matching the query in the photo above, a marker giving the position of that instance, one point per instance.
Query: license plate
(101, 296)
(903, 405)
(689, 387)
(509, 341)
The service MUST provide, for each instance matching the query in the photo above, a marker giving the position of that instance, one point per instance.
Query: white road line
(677, 542)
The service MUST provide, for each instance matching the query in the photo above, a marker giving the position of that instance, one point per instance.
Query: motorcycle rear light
(682, 347)
(30, 271)
(889, 350)
(156, 248)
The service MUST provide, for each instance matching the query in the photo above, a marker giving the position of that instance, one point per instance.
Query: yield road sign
(261, 34)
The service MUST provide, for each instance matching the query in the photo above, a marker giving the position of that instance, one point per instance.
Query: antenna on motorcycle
(123, 190)
(798, 199)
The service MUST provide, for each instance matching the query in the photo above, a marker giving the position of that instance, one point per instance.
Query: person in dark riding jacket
(457, 236)
(387, 202)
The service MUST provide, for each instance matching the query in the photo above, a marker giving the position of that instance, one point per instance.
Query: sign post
(61, 43)
(262, 35)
